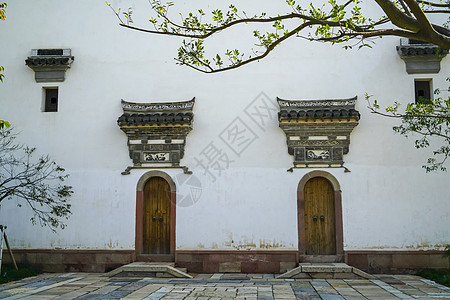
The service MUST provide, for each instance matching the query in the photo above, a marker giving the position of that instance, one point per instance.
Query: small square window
(51, 99)
(422, 90)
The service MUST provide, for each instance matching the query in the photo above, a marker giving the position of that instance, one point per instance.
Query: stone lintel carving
(420, 57)
(49, 65)
(318, 131)
(156, 132)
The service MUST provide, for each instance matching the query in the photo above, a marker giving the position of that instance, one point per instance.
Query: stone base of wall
(54, 260)
(374, 262)
(377, 262)
(236, 261)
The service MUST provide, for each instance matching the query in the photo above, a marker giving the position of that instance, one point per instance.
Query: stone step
(153, 269)
(321, 258)
(325, 270)
(325, 267)
(155, 258)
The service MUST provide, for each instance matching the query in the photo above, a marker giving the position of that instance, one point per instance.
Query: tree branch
(405, 8)
(420, 16)
(269, 49)
(336, 25)
(38, 182)
(228, 25)
(397, 17)
(437, 11)
(434, 4)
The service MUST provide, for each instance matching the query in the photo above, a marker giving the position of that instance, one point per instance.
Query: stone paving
(220, 286)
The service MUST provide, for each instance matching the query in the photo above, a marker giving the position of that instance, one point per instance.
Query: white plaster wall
(388, 201)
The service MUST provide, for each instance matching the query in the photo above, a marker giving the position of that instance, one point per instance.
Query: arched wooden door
(319, 216)
(156, 216)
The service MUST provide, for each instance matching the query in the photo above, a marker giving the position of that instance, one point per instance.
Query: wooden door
(156, 216)
(320, 238)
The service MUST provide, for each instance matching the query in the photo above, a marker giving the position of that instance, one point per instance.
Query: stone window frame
(430, 90)
(46, 107)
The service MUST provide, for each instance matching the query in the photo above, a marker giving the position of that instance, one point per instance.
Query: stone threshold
(150, 269)
(326, 271)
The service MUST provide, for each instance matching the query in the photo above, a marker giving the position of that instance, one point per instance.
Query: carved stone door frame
(337, 207)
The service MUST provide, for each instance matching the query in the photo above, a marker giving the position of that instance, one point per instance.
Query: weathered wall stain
(246, 243)
(112, 245)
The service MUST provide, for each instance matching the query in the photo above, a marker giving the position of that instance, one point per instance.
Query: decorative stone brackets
(318, 131)
(421, 58)
(156, 132)
(49, 65)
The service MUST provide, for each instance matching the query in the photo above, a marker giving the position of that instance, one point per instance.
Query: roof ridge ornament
(317, 103)
(134, 107)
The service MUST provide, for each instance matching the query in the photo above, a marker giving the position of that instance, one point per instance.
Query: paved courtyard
(220, 286)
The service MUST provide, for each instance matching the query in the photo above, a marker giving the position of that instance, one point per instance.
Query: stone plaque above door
(318, 131)
(156, 132)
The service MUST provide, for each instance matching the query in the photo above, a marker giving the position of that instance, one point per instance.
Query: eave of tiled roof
(421, 50)
(49, 61)
(159, 107)
(155, 119)
(319, 114)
